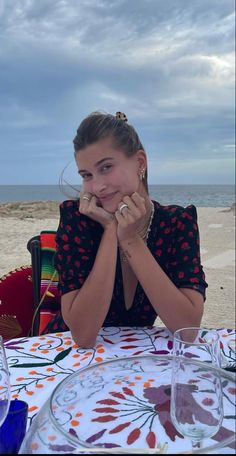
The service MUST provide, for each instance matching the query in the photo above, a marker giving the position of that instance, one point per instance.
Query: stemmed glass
(201, 344)
(4, 384)
(196, 392)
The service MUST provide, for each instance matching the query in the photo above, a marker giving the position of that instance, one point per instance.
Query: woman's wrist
(110, 227)
(130, 242)
(129, 247)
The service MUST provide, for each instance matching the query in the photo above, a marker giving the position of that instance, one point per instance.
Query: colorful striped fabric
(49, 279)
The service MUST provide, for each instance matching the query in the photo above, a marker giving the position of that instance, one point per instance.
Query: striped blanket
(49, 279)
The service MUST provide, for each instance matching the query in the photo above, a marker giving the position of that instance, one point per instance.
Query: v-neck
(129, 305)
(120, 284)
(137, 288)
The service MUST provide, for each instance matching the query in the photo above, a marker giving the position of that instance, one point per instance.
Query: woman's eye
(86, 176)
(106, 168)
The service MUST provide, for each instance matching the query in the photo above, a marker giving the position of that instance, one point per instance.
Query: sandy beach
(21, 220)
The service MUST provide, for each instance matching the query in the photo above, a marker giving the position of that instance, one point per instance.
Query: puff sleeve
(185, 268)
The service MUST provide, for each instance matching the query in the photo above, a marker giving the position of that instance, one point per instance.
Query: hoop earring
(142, 174)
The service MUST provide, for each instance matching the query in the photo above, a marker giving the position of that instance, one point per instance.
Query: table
(38, 364)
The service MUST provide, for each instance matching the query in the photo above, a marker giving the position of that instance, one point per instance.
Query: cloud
(168, 65)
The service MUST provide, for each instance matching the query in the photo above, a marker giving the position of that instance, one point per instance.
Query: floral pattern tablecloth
(38, 364)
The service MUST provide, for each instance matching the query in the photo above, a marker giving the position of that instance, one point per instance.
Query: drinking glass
(4, 384)
(13, 429)
(196, 391)
(201, 344)
(196, 400)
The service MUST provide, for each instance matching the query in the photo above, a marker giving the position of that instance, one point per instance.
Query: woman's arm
(176, 307)
(85, 310)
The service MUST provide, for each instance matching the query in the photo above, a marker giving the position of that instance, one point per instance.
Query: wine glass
(4, 384)
(196, 392)
(197, 343)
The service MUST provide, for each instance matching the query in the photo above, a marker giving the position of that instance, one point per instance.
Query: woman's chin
(111, 205)
(109, 208)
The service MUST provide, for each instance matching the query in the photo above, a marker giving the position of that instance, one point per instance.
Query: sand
(20, 221)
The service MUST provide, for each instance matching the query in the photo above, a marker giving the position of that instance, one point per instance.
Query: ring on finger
(122, 207)
(85, 197)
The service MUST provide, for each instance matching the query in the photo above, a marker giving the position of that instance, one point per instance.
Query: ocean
(199, 195)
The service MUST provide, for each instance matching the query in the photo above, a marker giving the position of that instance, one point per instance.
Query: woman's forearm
(86, 311)
(174, 308)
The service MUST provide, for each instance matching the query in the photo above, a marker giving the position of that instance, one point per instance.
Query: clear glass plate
(122, 406)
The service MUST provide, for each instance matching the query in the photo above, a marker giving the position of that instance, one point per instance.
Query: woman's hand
(130, 216)
(89, 205)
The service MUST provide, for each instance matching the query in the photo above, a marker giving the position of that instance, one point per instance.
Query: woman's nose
(99, 186)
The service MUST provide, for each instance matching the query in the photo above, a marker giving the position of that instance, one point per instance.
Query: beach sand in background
(21, 221)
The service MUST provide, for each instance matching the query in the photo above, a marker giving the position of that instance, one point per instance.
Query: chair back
(49, 296)
(45, 280)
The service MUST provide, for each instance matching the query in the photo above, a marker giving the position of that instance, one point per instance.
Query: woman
(123, 259)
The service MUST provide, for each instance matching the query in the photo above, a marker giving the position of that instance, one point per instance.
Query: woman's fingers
(134, 205)
(84, 200)
(89, 205)
(123, 207)
(124, 217)
(86, 196)
(130, 215)
(139, 201)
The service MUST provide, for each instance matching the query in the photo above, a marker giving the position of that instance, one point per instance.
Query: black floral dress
(173, 242)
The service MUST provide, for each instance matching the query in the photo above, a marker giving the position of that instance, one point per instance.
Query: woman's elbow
(82, 338)
(84, 342)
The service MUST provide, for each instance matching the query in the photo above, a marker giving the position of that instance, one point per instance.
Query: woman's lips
(106, 198)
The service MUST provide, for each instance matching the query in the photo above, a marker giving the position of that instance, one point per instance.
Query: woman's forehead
(101, 150)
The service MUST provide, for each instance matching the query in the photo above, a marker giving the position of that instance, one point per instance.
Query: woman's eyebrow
(96, 164)
(103, 159)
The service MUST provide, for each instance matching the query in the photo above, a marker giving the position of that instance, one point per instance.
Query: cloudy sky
(168, 64)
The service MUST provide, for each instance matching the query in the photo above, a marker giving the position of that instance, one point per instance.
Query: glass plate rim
(76, 441)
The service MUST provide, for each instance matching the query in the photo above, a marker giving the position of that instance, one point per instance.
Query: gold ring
(122, 207)
(85, 197)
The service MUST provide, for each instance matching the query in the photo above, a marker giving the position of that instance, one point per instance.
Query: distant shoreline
(183, 195)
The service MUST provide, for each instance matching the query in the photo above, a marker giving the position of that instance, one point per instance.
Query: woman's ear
(142, 160)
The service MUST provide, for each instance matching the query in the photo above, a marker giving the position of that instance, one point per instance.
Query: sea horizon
(201, 195)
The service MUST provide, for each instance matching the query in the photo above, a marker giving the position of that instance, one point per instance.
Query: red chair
(16, 303)
(29, 297)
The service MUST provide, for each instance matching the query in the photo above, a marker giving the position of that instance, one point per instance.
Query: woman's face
(109, 174)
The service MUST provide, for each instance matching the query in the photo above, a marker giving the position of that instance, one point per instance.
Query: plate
(121, 405)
